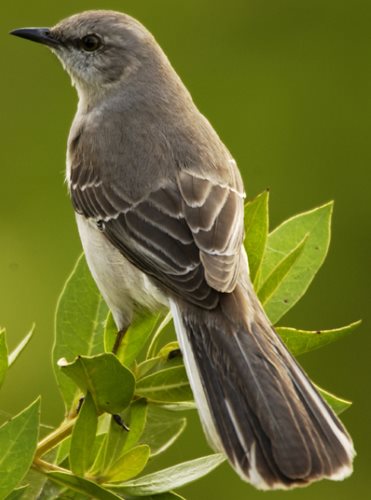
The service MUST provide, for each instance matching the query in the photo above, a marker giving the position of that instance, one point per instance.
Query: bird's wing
(186, 234)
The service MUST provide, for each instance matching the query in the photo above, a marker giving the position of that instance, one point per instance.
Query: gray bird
(159, 207)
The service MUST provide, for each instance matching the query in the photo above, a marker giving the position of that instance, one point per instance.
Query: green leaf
(53, 491)
(3, 357)
(269, 293)
(83, 437)
(118, 439)
(21, 346)
(18, 441)
(129, 465)
(17, 493)
(147, 366)
(160, 330)
(79, 325)
(8, 360)
(256, 232)
(138, 419)
(82, 485)
(337, 404)
(111, 448)
(168, 357)
(109, 382)
(137, 335)
(301, 341)
(314, 224)
(162, 429)
(167, 385)
(63, 450)
(176, 407)
(99, 453)
(36, 483)
(173, 477)
(110, 333)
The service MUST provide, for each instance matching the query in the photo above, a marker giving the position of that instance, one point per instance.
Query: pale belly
(121, 284)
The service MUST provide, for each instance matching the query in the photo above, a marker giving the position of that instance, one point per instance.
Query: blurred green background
(287, 85)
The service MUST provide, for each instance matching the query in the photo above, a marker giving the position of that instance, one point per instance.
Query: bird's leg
(119, 337)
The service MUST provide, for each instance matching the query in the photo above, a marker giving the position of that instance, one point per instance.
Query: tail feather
(255, 402)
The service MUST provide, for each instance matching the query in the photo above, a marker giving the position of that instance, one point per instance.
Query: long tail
(256, 404)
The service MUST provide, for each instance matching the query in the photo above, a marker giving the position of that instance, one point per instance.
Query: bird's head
(97, 48)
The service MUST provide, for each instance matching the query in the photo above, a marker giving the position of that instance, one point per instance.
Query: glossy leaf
(53, 491)
(83, 437)
(169, 356)
(301, 341)
(36, 482)
(165, 324)
(337, 404)
(173, 477)
(17, 494)
(137, 335)
(256, 232)
(118, 440)
(167, 385)
(63, 450)
(99, 453)
(162, 430)
(135, 338)
(271, 290)
(81, 485)
(314, 224)
(18, 441)
(112, 446)
(138, 420)
(148, 366)
(109, 382)
(129, 465)
(79, 325)
(13, 356)
(177, 406)
(3, 356)
(110, 333)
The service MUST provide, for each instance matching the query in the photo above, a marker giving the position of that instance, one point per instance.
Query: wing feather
(186, 234)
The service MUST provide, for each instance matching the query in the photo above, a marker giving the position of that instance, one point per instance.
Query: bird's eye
(90, 43)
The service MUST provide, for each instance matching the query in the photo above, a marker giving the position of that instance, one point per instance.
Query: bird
(159, 205)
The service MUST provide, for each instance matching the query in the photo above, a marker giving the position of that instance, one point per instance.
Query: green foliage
(79, 326)
(108, 381)
(314, 228)
(83, 437)
(81, 485)
(7, 360)
(13, 356)
(131, 399)
(172, 477)
(128, 465)
(169, 385)
(337, 404)
(18, 441)
(256, 227)
(301, 341)
(163, 429)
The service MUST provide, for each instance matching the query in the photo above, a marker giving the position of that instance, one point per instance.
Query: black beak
(39, 35)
